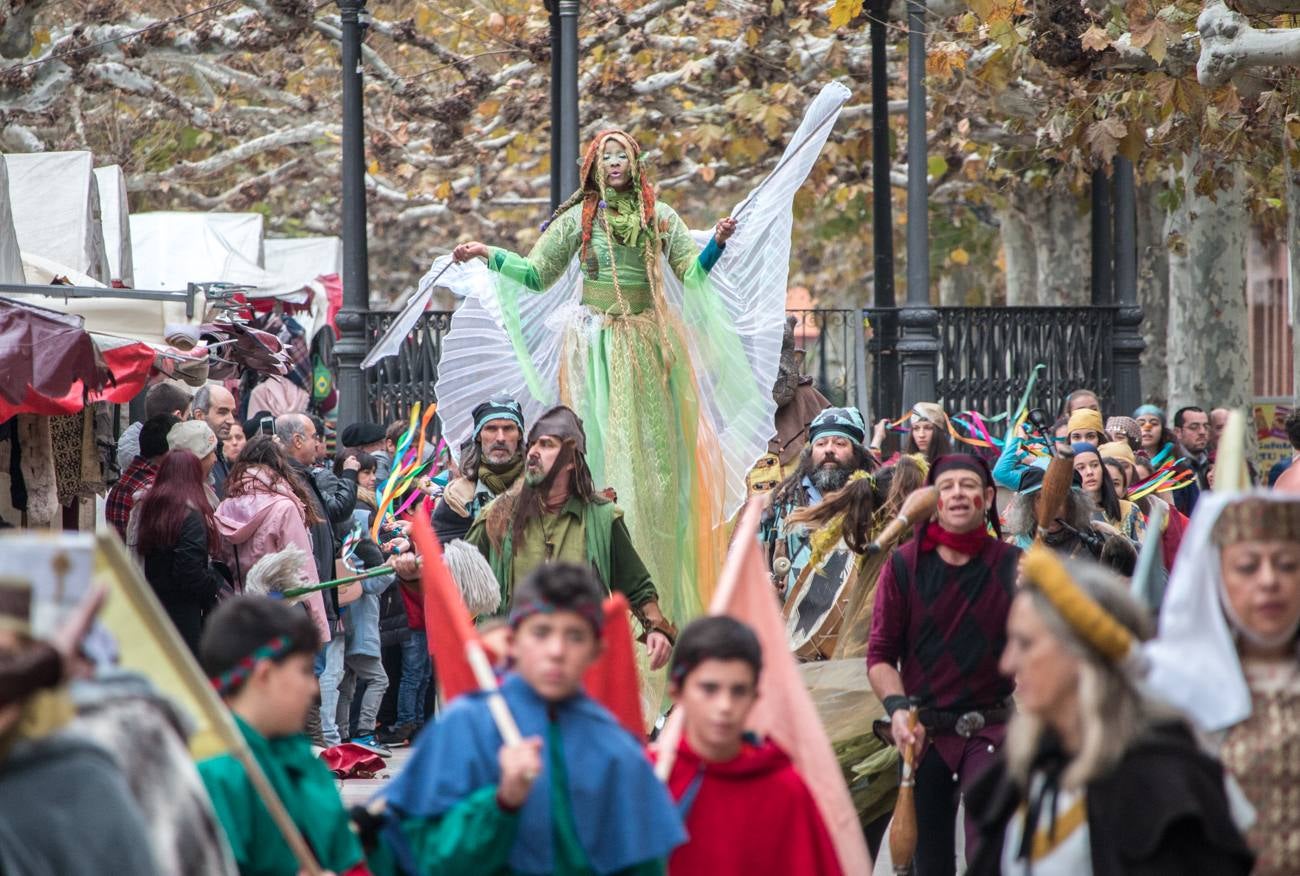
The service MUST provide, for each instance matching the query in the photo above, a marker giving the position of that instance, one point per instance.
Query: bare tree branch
(193, 170)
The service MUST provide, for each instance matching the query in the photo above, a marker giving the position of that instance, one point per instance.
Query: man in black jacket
(333, 499)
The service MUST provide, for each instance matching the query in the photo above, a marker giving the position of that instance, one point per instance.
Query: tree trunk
(1207, 342)
(1019, 256)
(1062, 246)
(956, 289)
(1153, 291)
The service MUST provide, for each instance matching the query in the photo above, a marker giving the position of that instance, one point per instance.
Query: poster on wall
(1270, 431)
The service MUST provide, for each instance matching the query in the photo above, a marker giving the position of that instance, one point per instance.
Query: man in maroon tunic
(938, 629)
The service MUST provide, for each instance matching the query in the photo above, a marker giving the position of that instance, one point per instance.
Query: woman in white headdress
(1227, 655)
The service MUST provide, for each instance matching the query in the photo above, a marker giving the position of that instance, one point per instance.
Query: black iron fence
(398, 382)
(986, 356)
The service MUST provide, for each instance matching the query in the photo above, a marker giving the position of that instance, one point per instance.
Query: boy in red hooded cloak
(746, 808)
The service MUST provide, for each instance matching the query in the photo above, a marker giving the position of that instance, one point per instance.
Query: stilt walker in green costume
(665, 342)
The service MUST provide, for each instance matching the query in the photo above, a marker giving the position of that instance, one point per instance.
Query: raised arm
(680, 248)
(545, 262)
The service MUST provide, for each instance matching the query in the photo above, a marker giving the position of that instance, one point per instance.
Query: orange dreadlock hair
(590, 188)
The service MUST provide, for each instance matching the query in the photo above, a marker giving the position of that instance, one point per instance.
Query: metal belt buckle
(969, 724)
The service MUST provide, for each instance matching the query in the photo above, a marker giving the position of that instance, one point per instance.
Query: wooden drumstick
(902, 830)
(918, 507)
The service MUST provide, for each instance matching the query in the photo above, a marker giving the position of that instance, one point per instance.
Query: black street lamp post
(353, 341)
(1128, 343)
(918, 348)
(564, 99)
(882, 211)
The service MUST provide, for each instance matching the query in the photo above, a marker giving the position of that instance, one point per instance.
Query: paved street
(358, 791)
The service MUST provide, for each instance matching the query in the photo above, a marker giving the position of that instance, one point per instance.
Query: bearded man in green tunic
(555, 514)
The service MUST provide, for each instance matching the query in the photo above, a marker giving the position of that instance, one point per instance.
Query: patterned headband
(521, 611)
(1081, 612)
(233, 678)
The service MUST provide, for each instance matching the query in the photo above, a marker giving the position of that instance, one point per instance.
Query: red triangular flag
(446, 619)
(612, 680)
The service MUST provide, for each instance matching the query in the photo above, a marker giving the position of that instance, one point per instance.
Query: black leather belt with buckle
(966, 724)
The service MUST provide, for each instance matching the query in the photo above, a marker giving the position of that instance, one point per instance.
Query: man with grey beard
(834, 453)
(491, 463)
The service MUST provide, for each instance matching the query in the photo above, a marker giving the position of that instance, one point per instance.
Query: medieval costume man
(833, 455)
(664, 342)
(937, 631)
(1226, 654)
(554, 514)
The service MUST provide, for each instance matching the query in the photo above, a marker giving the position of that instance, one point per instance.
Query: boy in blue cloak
(578, 796)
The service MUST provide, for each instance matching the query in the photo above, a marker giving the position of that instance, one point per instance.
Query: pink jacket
(264, 522)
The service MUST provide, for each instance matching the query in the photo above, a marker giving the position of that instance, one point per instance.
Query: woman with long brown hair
(265, 511)
(176, 540)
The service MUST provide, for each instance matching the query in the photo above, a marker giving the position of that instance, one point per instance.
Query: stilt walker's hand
(724, 229)
(466, 251)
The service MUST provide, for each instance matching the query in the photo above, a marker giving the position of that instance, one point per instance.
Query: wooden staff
(1056, 487)
(902, 830)
(917, 508)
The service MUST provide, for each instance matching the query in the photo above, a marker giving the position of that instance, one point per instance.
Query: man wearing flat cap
(833, 453)
(490, 464)
(554, 514)
(369, 438)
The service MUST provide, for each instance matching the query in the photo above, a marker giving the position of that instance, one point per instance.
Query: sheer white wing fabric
(751, 278)
(478, 359)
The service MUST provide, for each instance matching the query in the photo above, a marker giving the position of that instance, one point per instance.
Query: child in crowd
(746, 808)
(362, 663)
(258, 653)
(576, 796)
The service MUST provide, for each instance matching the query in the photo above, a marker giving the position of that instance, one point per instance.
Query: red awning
(50, 365)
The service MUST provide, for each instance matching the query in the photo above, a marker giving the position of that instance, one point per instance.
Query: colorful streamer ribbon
(350, 542)
(406, 465)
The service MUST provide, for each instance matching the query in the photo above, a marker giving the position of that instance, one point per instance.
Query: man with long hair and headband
(663, 341)
(554, 514)
(833, 455)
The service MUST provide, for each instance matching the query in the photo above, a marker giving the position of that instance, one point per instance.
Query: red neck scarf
(969, 543)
